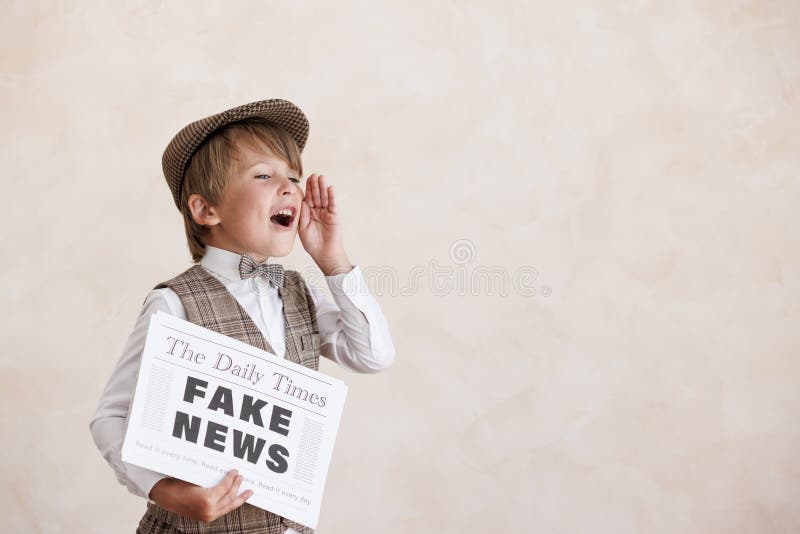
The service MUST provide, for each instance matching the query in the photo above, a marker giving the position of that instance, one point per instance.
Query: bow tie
(248, 268)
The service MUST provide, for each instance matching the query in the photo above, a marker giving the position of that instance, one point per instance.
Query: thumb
(305, 215)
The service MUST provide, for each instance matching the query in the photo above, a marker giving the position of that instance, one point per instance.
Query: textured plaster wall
(629, 170)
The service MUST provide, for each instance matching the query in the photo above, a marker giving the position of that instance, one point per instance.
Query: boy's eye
(267, 176)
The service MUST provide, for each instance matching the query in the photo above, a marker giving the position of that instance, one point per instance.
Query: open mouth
(283, 217)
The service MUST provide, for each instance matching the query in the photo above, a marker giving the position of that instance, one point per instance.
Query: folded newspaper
(206, 403)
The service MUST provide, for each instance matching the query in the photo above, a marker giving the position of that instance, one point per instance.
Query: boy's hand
(320, 229)
(199, 503)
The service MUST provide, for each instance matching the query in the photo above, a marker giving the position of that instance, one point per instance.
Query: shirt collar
(223, 262)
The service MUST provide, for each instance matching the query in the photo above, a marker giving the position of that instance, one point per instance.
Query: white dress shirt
(353, 333)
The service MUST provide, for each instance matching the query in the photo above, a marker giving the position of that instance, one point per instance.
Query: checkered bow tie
(248, 268)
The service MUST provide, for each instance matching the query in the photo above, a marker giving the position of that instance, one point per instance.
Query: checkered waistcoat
(208, 303)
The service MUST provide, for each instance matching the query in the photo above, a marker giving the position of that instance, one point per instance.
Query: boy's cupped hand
(199, 503)
(320, 227)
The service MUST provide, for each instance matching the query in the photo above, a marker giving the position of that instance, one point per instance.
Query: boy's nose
(287, 186)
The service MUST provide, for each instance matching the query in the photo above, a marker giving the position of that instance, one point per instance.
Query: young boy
(236, 177)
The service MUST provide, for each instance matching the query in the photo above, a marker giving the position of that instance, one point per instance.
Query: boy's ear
(202, 212)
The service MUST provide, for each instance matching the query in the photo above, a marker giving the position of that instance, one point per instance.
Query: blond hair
(218, 157)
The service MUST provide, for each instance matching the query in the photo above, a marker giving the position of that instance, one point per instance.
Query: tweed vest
(209, 304)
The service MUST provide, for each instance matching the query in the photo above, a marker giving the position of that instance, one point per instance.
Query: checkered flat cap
(185, 143)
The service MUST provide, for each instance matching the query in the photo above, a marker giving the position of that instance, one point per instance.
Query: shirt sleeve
(111, 416)
(353, 331)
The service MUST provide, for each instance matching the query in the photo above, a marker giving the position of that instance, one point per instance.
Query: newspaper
(206, 403)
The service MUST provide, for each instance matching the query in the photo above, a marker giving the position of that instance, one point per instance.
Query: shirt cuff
(349, 286)
(143, 479)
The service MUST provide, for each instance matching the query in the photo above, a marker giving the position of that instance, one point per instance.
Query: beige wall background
(635, 165)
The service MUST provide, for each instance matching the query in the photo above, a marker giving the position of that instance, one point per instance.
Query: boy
(236, 178)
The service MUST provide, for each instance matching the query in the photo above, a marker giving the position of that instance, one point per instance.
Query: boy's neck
(259, 258)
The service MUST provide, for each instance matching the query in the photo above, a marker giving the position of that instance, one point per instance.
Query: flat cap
(180, 150)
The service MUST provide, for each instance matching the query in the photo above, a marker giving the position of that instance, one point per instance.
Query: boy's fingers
(224, 486)
(237, 501)
(305, 191)
(315, 192)
(323, 191)
(331, 200)
(308, 196)
(305, 214)
(231, 494)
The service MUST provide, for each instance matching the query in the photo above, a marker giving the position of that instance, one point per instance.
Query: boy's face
(260, 186)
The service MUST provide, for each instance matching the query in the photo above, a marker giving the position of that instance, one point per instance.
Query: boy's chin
(279, 250)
